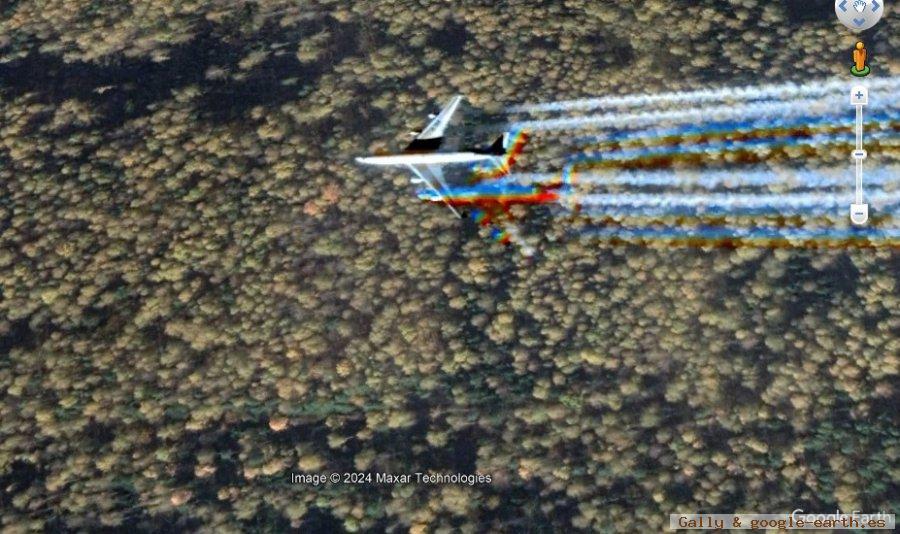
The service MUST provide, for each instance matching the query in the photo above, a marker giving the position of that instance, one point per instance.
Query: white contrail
(751, 232)
(773, 92)
(793, 178)
(727, 203)
(721, 147)
(832, 105)
(878, 120)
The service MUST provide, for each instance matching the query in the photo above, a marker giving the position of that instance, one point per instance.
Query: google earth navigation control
(438, 266)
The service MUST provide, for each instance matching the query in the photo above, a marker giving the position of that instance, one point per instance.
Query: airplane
(425, 160)
(424, 148)
(487, 198)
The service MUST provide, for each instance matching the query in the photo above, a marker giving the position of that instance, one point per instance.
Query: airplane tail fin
(506, 149)
(498, 147)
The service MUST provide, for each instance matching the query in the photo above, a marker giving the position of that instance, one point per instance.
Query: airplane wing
(438, 124)
(438, 185)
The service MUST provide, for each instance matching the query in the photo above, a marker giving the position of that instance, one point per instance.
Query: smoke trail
(713, 148)
(875, 120)
(711, 179)
(764, 233)
(819, 203)
(834, 105)
(636, 130)
(705, 96)
(715, 113)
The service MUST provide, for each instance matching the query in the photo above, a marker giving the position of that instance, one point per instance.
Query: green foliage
(199, 294)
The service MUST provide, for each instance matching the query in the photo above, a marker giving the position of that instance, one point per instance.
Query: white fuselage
(434, 158)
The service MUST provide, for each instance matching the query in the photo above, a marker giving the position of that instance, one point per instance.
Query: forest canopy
(200, 294)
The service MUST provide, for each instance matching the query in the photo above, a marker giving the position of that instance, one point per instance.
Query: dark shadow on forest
(124, 88)
(451, 38)
(804, 11)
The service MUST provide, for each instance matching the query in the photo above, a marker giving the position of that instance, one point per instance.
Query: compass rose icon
(859, 15)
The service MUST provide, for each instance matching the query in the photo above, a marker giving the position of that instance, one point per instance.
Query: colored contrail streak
(877, 120)
(711, 179)
(633, 156)
(634, 175)
(705, 96)
(811, 203)
(764, 234)
(723, 146)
